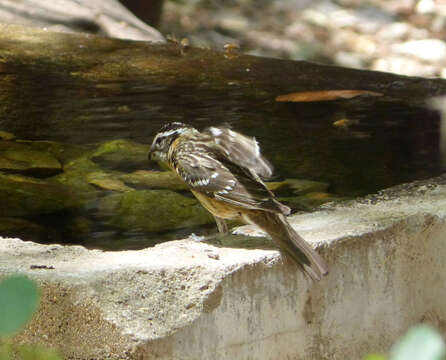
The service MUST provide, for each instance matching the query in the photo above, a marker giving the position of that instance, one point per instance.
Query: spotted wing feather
(204, 171)
(243, 151)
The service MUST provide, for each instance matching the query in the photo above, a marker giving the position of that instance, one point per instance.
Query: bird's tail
(277, 226)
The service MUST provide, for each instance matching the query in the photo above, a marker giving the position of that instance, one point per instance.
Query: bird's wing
(204, 172)
(242, 150)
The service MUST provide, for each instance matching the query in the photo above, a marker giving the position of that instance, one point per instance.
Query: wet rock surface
(96, 195)
(24, 229)
(122, 154)
(107, 181)
(154, 210)
(75, 174)
(25, 196)
(90, 97)
(5, 135)
(154, 180)
(20, 158)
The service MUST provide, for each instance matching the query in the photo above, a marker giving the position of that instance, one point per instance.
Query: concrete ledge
(189, 300)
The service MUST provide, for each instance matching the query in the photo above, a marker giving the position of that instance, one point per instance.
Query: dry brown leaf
(324, 95)
(345, 123)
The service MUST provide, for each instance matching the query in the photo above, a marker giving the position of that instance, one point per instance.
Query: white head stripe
(170, 132)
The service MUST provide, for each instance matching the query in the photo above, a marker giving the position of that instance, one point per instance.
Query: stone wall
(189, 300)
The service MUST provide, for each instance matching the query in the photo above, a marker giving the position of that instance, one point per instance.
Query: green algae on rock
(154, 210)
(75, 174)
(25, 196)
(107, 181)
(154, 180)
(5, 135)
(78, 225)
(20, 158)
(25, 229)
(64, 152)
(121, 154)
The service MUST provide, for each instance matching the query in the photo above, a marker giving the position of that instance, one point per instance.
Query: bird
(225, 169)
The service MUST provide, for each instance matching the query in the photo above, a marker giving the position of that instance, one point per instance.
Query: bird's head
(164, 138)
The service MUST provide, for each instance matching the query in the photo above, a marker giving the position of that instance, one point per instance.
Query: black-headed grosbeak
(223, 169)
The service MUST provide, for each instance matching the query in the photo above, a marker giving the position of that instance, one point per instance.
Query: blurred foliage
(375, 357)
(19, 298)
(421, 342)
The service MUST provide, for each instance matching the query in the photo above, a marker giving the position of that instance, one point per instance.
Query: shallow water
(385, 143)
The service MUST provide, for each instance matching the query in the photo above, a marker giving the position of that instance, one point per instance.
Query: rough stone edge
(393, 241)
(383, 284)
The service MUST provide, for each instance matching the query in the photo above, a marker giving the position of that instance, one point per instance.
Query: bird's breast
(217, 207)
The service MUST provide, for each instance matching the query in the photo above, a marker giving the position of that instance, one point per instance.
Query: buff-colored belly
(217, 208)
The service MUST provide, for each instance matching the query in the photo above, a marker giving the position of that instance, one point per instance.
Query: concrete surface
(190, 300)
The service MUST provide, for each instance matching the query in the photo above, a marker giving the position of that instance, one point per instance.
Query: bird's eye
(158, 141)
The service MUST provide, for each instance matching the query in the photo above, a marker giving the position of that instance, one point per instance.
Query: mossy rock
(154, 180)
(78, 225)
(25, 230)
(154, 210)
(20, 158)
(107, 181)
(75, 175)
(121, 154)
(5, 135)
(25, 196)
(61, 151)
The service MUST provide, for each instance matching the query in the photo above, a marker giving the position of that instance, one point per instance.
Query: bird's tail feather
(277, 226)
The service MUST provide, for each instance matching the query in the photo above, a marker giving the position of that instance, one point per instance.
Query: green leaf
(421, 342)
(19, 298)
(375, 357)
